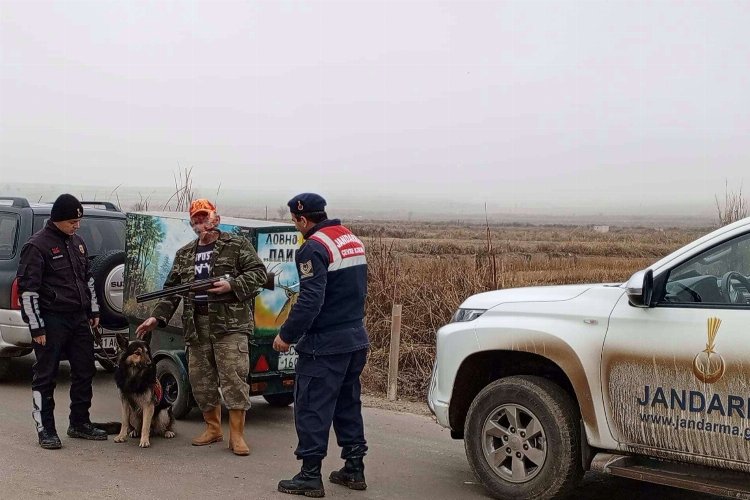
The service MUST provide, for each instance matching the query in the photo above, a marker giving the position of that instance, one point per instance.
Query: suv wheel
(107, 270)
(4, 368)
(176, 391)
(522, 439)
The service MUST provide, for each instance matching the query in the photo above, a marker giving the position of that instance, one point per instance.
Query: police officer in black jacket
(59, 305)
(326, 323)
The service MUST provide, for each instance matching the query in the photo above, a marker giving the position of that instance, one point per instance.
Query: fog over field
(272, 204)
(603, 111)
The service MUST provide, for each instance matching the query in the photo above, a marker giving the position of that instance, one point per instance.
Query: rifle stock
(193, 286)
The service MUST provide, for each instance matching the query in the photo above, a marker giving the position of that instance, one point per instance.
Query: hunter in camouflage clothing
(216, 322)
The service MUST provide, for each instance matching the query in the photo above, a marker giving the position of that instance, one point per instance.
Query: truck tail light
(15, 302)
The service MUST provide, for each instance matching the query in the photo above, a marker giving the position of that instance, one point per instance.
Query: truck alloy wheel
(522, 438)
(514, 443)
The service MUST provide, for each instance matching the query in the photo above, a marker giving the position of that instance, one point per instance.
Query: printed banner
(277, 251)
(151, 244)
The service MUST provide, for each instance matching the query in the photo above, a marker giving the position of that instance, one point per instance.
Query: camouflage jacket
(230, 312)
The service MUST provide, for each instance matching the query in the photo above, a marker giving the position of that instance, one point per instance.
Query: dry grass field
(430, 268)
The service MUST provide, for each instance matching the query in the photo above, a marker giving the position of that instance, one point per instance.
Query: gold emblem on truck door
(708, 365)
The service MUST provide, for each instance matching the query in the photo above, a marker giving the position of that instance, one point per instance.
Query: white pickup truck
(648, 380)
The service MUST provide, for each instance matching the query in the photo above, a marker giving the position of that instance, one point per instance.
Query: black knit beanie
(66, 207)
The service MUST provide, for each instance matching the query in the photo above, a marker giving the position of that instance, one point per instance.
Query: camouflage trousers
(225, 363)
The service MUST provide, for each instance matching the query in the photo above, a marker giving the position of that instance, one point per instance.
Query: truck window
(720, 275)
(100, 234)
(8, 235)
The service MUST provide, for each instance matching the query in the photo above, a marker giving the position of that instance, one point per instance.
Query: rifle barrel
(178, 289)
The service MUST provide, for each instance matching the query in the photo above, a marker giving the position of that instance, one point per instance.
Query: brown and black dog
(144, 411)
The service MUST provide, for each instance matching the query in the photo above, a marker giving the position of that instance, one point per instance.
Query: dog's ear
(122, 341)
(147, 339)
(122, 356)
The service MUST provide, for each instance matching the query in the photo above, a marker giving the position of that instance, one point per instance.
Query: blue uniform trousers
(327, 391)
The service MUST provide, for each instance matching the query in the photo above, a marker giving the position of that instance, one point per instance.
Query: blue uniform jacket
(328, 315)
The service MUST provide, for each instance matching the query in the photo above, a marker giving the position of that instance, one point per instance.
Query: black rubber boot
(87, 431)
(308, 482)
(352, 475)
(49, 440)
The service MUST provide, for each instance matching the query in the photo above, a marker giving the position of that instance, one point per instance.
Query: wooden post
(394, 353)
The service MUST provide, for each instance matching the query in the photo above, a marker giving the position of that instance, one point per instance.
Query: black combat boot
(308, 482)
(49, 440)
(87, 431)
(352, 475)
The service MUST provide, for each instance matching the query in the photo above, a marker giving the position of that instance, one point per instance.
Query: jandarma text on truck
(695, 401)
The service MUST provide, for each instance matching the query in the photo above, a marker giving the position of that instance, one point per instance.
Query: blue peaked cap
(307, 202)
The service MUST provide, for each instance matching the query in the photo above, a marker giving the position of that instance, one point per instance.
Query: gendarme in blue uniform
(328, 316)
(326, 323)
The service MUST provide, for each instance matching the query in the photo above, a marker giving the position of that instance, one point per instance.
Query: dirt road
(410, 457)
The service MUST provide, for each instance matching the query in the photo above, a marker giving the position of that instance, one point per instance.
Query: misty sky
(565, 104)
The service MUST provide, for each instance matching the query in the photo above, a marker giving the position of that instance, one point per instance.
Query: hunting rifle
(193, 286)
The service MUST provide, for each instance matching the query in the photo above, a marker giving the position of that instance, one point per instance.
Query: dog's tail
(108, 427)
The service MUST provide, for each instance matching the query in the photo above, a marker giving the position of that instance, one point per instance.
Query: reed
(431, 269)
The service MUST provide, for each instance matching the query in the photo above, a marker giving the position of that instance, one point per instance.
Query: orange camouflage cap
(201, 205)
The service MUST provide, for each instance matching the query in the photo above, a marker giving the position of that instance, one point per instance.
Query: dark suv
(103, 230)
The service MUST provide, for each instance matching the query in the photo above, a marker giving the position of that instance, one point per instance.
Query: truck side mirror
(640, 288)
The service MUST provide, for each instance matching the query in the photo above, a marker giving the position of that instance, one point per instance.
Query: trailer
(152, 238)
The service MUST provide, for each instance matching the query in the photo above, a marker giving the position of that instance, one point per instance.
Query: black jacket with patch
(54, 276)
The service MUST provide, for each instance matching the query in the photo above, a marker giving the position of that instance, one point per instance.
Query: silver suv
(103, 230)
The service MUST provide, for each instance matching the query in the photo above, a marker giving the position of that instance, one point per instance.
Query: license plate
(288, 360)
(109, 342)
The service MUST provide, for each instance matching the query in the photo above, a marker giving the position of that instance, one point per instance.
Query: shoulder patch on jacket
(306, 269)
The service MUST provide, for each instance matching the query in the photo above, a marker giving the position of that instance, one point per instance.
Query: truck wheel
(4, 368)
(522, 439)
(176, 391)
(108, 270)
(279, 400)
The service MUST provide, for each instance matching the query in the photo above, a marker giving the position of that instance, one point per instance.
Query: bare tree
(734, 207)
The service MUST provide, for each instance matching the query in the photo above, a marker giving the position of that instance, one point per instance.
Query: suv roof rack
(104, 205)
(16, 202)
